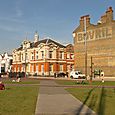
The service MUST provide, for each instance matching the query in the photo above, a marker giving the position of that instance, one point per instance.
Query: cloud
(11, 19)
(8, 28)
(19, 12)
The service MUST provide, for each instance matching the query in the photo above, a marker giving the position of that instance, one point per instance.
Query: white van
(77, 75)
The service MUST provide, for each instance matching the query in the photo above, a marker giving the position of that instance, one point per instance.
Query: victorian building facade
(43, 57)
(5, 63)
(100, 41)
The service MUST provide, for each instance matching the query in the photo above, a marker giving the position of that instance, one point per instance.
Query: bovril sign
(95, 34)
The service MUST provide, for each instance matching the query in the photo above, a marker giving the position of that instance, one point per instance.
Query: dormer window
(26, 44)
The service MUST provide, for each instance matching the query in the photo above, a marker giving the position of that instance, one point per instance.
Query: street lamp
(25, 61)
(91, 68)
(85, 38)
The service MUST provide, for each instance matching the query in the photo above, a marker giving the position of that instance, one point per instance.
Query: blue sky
(51, 18)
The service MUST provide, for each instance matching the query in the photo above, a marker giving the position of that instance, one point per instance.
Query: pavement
(65, 78)
(54, 100)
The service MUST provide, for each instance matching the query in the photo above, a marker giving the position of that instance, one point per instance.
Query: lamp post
(25, 61)
(91, 68)
(85, 39)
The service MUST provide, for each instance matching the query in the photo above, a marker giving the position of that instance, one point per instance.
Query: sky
(57, 19)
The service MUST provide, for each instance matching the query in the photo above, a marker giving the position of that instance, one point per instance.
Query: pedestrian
(0, 76)
(2, 87)
(102, 76)
(54, 75)
(18, 77)
(67, 74)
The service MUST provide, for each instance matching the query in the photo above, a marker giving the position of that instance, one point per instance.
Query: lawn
(101, 100)
(23, 81)
(76, 82)
(18, 100)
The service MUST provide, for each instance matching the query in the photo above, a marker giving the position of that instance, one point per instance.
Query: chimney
(109, 14)
(87, 20)
(82, 19)
(104, 18)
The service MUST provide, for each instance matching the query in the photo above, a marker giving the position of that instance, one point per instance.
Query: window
(68, 67)
(23, 68)
(51, 68)
(42, 54)
(37, 55)
(26, 56)
(18, 69)
(50, 54)
(32, 55)
(32, 67)
(37, 68)
(68, 56)
(22, 57)
(18, 57)
(15, 57)
(71, 56)
(61, 67)
(60, 54)
(42, 69)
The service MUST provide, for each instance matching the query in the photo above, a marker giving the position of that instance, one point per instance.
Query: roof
(70, 48)
(47, 41)
(20, 48)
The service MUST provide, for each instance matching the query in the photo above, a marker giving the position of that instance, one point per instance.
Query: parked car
(61, 74)
(77, 75)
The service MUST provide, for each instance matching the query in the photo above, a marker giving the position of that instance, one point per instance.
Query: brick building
(43, 57)
(100, 39)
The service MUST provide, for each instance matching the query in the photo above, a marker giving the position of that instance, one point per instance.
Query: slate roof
(45, 41)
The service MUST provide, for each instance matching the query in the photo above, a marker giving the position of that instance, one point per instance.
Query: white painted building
(5, 63)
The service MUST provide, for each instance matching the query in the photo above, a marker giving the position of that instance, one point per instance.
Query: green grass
(18, 100)
(101, 100)
(74, 82)
(23, 81)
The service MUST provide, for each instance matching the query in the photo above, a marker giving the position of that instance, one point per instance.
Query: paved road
(57, 101)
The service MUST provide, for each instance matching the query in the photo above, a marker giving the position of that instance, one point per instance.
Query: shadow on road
(92, 104)
(80, 109)
(101, 108)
